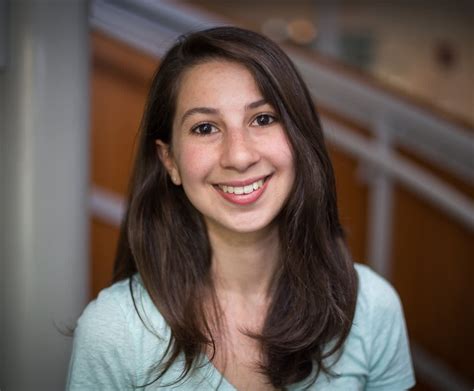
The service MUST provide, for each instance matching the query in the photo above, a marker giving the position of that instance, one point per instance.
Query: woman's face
(229, 151)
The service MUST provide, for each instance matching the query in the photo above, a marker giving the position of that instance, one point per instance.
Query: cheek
(281, 152)
(194, 163)
(282, 156)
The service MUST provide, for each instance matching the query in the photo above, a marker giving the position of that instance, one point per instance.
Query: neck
(244, 264)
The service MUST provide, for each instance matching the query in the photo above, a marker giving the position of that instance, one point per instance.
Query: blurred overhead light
(302, 31)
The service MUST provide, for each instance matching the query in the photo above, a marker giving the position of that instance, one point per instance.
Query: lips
(247, 189)
(243, 192)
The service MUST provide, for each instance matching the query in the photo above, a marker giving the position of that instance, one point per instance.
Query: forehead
(208, 82)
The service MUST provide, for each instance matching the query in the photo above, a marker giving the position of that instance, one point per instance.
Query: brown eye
(263, 120)
(203, 129)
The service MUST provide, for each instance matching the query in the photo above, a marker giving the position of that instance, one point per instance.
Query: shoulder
(100, 342)
(112, 303)
(375, 294)
(379, 326)
(112, 338)
(123, 304)
(378, 304)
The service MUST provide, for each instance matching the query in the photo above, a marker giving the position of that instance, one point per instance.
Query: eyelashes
(204, 129)
(260, 120)
(264, 120)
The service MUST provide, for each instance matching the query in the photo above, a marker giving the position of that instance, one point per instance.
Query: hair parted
(164, 238)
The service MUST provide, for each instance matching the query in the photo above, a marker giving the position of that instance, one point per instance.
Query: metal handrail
(419, 180)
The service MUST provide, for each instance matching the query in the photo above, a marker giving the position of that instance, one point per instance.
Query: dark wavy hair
(164, 238)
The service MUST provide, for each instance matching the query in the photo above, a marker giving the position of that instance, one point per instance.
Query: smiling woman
(232, 271)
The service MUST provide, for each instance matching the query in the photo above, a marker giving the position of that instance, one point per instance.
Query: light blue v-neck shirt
(113, 350)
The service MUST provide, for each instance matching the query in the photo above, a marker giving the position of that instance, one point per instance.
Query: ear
(166, 157)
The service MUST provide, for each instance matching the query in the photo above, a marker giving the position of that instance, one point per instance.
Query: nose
(239, 152)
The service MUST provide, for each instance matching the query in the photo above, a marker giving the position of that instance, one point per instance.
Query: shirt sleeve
(102, 351)
(390, 365)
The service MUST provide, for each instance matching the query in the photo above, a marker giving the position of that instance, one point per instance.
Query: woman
(232, 271)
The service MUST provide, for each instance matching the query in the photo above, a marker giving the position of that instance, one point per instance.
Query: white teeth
(242, 189)
(248, 189)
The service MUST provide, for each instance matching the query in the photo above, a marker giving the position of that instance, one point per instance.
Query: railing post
(381, 206)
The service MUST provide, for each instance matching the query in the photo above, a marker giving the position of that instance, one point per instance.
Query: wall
(44, 190)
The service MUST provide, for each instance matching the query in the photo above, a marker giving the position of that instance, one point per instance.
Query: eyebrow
(256, 104)
(210, 110)
(198, 110)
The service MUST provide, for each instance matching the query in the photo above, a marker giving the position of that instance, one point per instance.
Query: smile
(245, 192)
(242, 189)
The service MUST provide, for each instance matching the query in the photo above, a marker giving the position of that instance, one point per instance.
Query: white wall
(44, 180)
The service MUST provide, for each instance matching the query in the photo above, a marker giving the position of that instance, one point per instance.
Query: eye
(204, 129)
(263, 120)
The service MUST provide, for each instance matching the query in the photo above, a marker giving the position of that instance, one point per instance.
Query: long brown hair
(164, 238)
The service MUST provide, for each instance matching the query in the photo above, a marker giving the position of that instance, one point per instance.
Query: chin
(245, 227)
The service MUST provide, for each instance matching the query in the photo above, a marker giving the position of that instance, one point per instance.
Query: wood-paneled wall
(431, 254)
(433, 270)
(120, 79)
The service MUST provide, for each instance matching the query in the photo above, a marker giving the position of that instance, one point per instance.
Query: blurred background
(392, 80)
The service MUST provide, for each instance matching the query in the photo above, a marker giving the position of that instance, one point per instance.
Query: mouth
(243, 189)
(243, 192)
